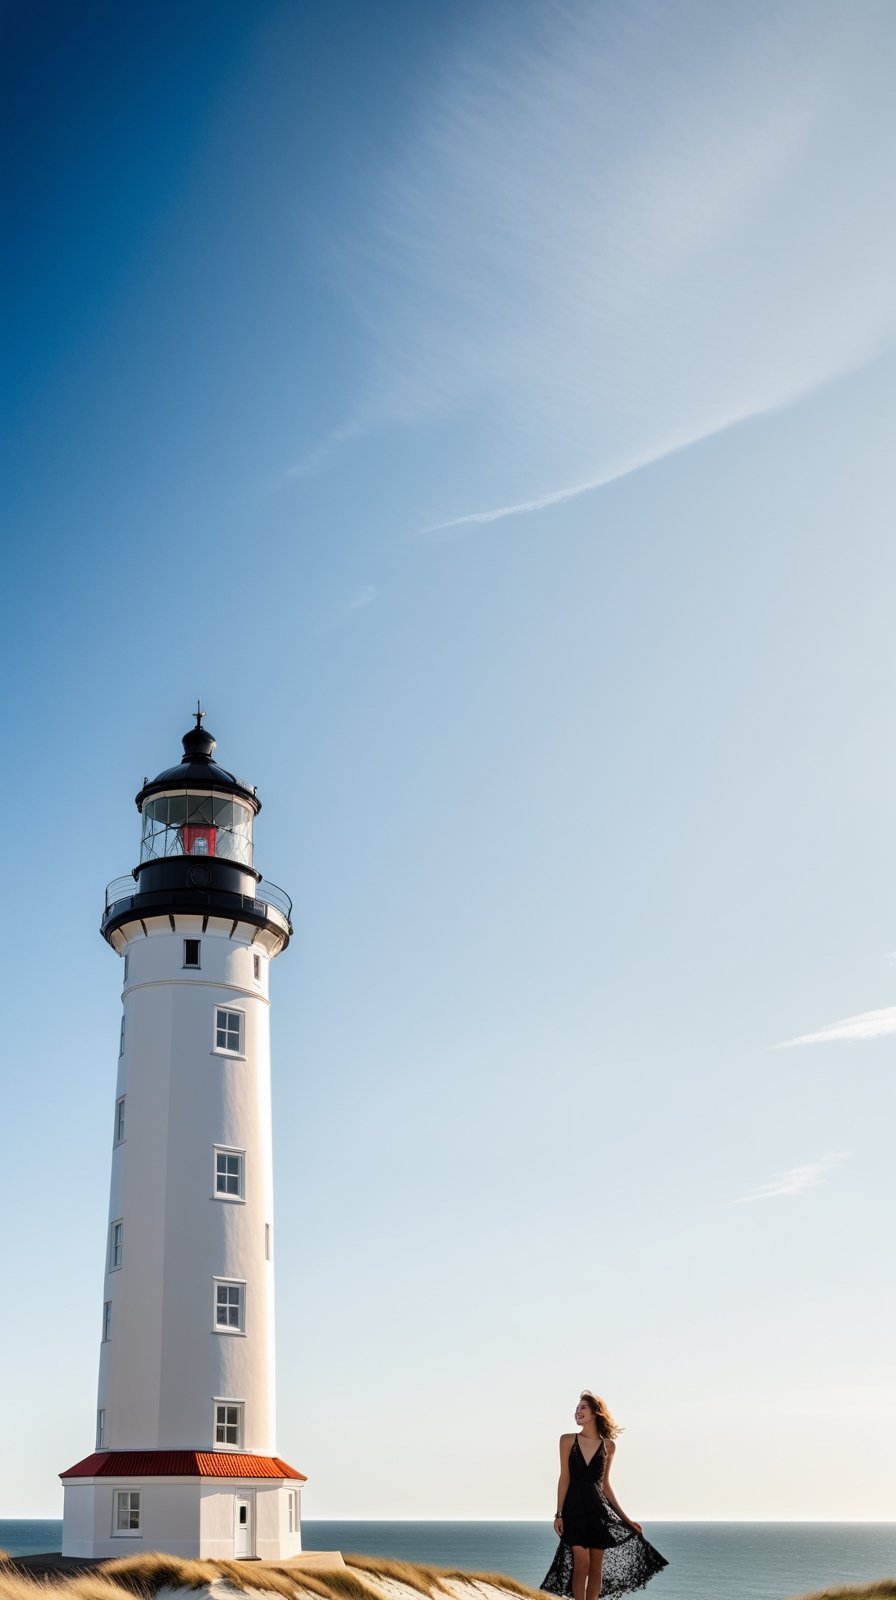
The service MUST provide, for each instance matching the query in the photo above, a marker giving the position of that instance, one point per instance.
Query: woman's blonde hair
(607, 1426)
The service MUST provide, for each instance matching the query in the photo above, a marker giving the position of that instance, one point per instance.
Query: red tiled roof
(180, 1464)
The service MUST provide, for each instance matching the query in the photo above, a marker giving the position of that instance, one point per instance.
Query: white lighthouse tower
(185, 1458)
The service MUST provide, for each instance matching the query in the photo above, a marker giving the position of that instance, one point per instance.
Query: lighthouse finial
(199, 713)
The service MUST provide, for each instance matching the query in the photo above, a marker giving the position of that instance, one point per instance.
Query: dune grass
(144, 1574)
(416, 1574)
(883, 1589)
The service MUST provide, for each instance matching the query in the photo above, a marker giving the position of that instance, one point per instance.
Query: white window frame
(127, 1533)
(223, 1049)
(239, 1406)
(116, 1255)
(107, 1321)
(291, 1509)
(118, 1137)
(121, 1037)
(193, 966)
(239, 1329)
(101, 1428)
(221, 1194)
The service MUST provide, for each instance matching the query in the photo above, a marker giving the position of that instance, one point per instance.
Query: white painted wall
(164, 1364)
(181, 1516)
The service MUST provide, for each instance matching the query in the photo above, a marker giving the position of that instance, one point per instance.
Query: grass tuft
(498, 1580)
(150, 1570)
(417, 1576)
(882, 1589)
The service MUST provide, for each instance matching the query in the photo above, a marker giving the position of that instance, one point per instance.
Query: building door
(244, 1529)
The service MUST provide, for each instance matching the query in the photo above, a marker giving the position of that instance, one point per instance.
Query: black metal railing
(122, 892)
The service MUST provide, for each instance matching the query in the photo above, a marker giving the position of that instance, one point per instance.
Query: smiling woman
(601, 1550)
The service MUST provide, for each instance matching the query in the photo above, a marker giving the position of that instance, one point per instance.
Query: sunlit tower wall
(185, 1456)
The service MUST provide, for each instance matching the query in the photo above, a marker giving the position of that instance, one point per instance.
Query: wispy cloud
(796, 1180)
(614, 230)
(867, 1025)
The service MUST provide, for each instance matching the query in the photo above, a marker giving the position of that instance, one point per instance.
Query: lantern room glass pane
(196, 825)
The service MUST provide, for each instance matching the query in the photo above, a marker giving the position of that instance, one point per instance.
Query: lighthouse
(184, 1458)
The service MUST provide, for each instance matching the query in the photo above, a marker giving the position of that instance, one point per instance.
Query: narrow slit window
(121, 1039)
(119, 1120)
(267, 1241)
(191, 953)
(100, 1429)
(107, 1321)
(126, 964)
(116, 1246)
(256, 967)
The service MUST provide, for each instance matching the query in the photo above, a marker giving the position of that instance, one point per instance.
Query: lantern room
(197, 808)
(195, 824)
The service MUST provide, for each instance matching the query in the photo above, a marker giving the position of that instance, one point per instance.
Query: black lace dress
(630, 1560)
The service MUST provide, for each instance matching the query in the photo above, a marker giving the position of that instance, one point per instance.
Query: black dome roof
(197, 770)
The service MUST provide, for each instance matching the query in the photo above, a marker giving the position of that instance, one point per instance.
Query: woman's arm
(607, 1492)
(563, 1484)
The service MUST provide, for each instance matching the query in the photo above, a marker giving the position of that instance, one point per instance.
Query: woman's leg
(580, 1567)
(595, 1572)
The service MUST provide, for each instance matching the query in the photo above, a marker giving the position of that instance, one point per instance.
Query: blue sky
(488, 411)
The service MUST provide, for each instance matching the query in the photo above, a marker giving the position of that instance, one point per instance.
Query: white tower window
(127, 1511)
(229, 1423)
(256, 967)
(291, 1510)
(126, 965)
(119, 1120)
(100, 1429)
(230, 1166)
(191, 953)
(230, 1306)
(229, 1031)
(116, 1245)
(121, 1039)
(107, 1321)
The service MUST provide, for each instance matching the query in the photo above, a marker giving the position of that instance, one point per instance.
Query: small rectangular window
(229, 1423)
(291, 1509)
(107, 1321)
(256, 967)
(127, 1511)
(126, 961)
(100, 1429)
(119, 1120)
(116, 1245)
(230, 1307)
(267, 1241)
(229, 1168)
(228, 1030)
(191, 952)
(121, 1039)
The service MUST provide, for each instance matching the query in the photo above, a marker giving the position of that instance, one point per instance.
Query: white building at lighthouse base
(190, 1503)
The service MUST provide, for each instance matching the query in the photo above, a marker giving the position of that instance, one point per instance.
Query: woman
(601, 1551)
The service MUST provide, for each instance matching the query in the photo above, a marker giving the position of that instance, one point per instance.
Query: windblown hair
(607, 1426)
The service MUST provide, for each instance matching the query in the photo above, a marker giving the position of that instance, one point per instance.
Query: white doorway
(244, 1526)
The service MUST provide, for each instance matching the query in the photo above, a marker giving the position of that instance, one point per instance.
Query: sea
(707, 1560)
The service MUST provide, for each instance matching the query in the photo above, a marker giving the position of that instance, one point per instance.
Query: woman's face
(583, 1414)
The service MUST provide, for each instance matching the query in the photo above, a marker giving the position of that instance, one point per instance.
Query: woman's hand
(558, 1527)
(636, 1527)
